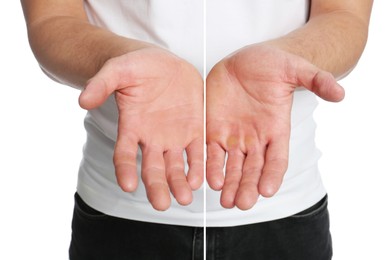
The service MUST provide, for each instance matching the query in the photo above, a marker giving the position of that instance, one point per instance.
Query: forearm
(333, 41)
(72, 50)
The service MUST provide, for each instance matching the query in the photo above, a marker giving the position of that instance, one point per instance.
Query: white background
(41, 137)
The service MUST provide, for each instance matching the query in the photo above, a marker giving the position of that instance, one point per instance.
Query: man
(139, 93)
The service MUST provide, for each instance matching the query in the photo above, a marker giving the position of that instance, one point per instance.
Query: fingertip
(227, 202)
(270, 182)
(215, 183)
(161, 204)
(195, 160)
(267, 190)
(326, 87)
(184, 199)
(215, 166)
(229, 193)
(195, 181)
(195, 175)
(161, 207)
(246, 200)
(181, 190)
(158, 195)
(214, 175)
(84, 100)
(339, 93)
(247, 195)
(94, 94)
(128, 186)
(127, 180)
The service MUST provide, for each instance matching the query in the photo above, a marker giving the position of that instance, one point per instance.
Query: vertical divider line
(204, 126)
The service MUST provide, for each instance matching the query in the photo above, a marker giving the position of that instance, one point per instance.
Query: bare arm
(250, 92)
(154, 89)
(334, 37)
(66, 45)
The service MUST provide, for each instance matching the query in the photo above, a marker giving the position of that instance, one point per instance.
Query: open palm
(160, 105)
(249, 100)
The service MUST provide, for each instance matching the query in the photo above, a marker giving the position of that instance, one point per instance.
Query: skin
(167, 108)
(155, 90)
(249, 97)
(256, 126)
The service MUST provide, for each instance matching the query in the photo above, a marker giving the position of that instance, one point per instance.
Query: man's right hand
(160, 103)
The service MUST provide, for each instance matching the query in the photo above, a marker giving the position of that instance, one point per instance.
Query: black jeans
(96, 236)
(304, 236)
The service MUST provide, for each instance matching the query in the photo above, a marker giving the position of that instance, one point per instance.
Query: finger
(248, 192)
(320, 82)
(96, 92)
(125, 161)
(326, 87)
(234, 166)
(214, 166)
(177, 181)
(275, 166)
(154, 179)
(102, 85)
(195, 159)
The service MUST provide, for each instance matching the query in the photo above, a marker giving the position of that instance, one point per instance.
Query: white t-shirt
(178, 25)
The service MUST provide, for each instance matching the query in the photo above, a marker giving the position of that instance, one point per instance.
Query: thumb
(326, 87)
(320, 82)
(95, 94)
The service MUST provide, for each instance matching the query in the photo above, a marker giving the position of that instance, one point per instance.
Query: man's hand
(160, 104)
(249, 100)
